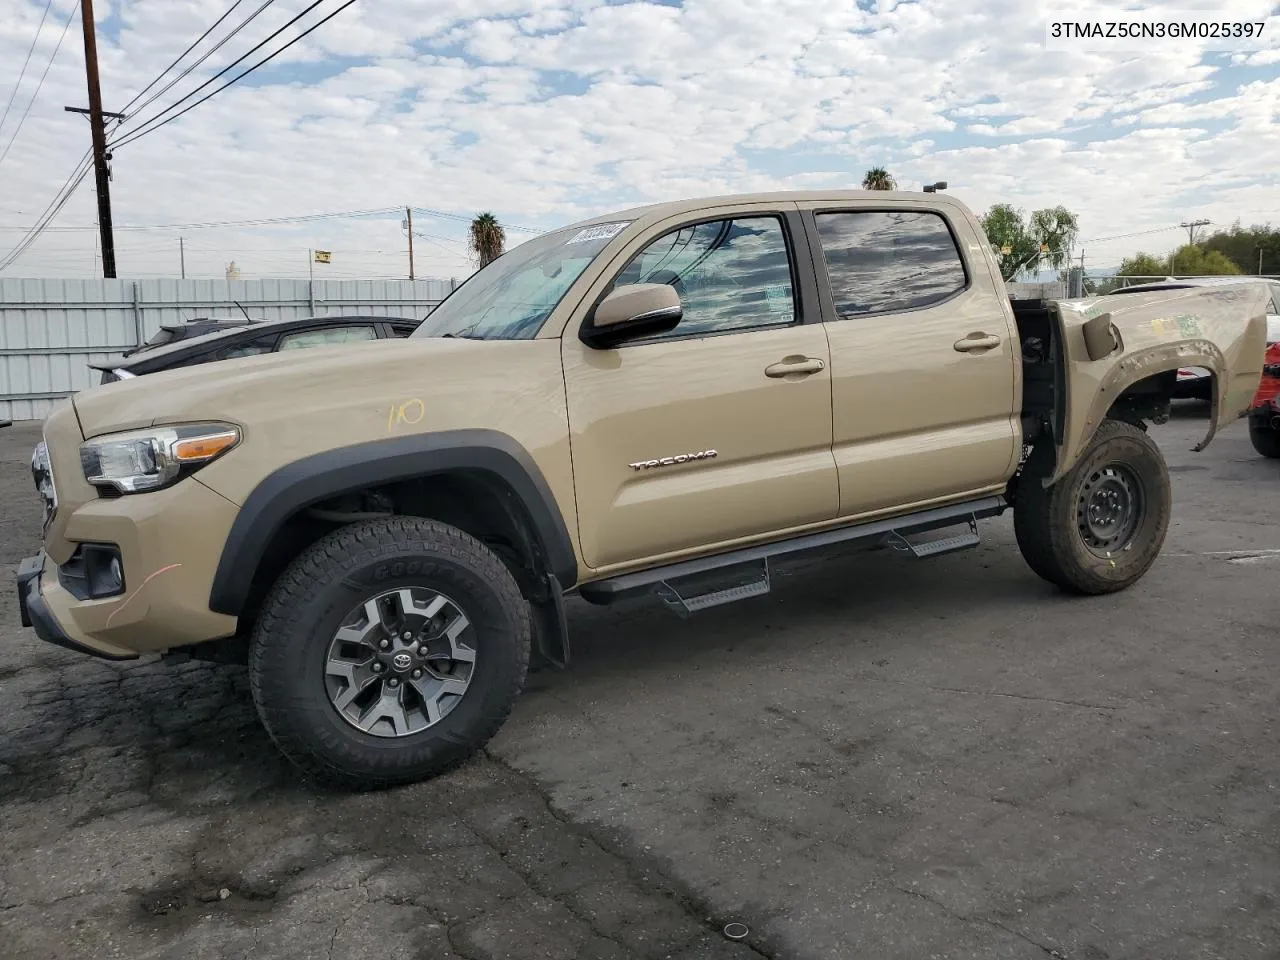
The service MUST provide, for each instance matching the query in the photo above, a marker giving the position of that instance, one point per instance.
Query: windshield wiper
(463, 334)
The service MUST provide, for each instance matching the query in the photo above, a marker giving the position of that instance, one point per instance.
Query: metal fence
(50, 330)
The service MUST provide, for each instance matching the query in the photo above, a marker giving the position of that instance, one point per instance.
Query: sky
(548, 111)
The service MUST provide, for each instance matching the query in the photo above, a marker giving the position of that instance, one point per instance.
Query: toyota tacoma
(659, 400)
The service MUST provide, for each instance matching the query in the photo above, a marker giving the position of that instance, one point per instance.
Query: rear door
(720, 430)
(924, 355)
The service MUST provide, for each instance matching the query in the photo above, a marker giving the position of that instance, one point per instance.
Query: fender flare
(1136, 367)
(320, 476)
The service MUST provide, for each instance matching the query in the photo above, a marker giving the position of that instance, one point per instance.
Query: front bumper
(35, 614)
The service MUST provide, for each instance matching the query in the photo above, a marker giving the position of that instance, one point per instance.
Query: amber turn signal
(197, 449)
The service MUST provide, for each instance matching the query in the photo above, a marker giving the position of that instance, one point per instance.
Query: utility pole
(1259, 261)
(1191, 229)
(182, 256)
(408, 213)
(97, 126)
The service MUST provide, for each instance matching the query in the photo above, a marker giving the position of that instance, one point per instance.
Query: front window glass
(512, 297)
(730, 274)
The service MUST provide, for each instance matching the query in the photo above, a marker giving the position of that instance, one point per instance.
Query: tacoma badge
(670, 461)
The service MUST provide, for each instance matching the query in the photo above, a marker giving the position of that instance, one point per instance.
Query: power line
(23, 72)
(147, 127)
(259, 222)
(205, 56)
(74, 179)
(160, 76)
(36, 93)
(1126, 236)
(465, 219)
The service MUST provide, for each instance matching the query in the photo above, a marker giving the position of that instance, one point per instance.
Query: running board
(682, 597)
(893, 529)
(932, 548)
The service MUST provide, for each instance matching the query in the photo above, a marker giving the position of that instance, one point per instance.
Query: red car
(1264, 414)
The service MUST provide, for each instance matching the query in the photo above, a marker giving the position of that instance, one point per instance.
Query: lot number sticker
(601, 231)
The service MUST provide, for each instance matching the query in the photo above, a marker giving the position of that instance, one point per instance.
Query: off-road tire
(309, 601)
(1046, 521)
(1266, 440)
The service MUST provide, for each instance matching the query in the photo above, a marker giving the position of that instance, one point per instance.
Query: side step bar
(893, 529)
(931, 548)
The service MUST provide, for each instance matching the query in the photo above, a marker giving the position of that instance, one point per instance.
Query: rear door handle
(977, 341)
(794, 366)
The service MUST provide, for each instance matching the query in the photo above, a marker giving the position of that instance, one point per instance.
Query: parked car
(195, 327)
(1264, 414)
(662, 399)
(228, 339)
(1194, 383)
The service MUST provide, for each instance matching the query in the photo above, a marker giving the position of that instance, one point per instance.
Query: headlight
(150, 459)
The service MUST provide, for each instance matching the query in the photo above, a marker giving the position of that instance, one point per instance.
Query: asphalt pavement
(885, 758)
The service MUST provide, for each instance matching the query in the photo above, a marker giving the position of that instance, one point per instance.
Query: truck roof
(670, 207)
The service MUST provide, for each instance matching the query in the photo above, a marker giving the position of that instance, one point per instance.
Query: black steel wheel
(1099, 528)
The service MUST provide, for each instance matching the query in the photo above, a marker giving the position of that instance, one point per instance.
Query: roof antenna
(248, 319)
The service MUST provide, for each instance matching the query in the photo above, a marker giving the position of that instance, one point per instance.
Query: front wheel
(1099, 528)
(388, 652)
(1265, 439)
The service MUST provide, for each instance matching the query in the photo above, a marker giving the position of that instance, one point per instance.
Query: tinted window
(730, 274)
(325, 337)
(250, 349)
(889, 261)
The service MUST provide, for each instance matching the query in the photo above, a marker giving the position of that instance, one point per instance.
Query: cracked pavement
(884, 758)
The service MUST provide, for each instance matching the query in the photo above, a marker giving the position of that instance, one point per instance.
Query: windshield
(512, 297)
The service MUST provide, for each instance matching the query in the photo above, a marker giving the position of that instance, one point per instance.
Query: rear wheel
(388, 652)
(1266, 440)
(1101, 526)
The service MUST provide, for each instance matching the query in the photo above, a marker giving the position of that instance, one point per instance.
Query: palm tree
(878, 178)
(487, 238)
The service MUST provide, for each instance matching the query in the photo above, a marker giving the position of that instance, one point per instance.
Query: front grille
(42, 474)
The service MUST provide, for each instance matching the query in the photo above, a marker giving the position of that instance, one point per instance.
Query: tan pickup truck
(662, 399)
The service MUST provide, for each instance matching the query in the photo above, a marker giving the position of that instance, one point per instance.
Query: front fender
(1222, 329)
(319, 477)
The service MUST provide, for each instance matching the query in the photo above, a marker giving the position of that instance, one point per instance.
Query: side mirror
(1100, 337)
(630, 312)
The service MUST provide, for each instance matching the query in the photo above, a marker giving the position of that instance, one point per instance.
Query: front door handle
(977, 341)
(794, 366)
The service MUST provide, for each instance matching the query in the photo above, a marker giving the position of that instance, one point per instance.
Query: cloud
(548, 110)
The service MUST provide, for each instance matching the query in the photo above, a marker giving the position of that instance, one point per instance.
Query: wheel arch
(1137, 388)
(492, 458)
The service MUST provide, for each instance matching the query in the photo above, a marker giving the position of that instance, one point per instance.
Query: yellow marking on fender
(410, 412)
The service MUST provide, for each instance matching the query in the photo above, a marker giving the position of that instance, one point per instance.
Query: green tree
(1007, 233)
(1045, 238)
(1186, 261)
(488, 239)
(878, 178)
(1246, 246)
(1143, 265)
(1196, 261)
(1054, 231)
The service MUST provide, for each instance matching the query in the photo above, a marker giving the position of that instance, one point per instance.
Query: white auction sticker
(600, 231)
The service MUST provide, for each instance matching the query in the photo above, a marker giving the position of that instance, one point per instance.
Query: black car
(218, 339)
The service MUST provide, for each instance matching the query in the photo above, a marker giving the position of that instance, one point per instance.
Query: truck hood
(318, 382)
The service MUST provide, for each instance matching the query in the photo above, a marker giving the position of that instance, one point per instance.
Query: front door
(924, 359)
(720, 430)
